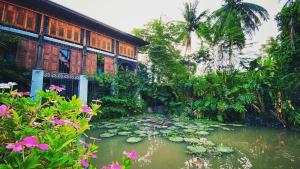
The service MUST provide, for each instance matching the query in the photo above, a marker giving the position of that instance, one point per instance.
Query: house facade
(59, 45)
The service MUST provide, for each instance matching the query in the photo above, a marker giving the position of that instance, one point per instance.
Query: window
(93, 41)
(64, 61)
(69, 32)
(76, 36)
(18, 17)
(21, 17)
(103, 45)
(108, 45)
(132, 53)
(100, 42)
(10, 11)
(126, 50)
(30, 24)
(61, 30)
(52, 27)
(100, 64)
(64, 30)
(1, 10)
(30, 21)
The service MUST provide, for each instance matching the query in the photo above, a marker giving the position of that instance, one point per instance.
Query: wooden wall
(109, 65)
(28, 20)
(101, 42)
(26, 54)
(126, 49)
(76, 61)
(17, 16)
(91, 63)
(64, 30)
(50, 57)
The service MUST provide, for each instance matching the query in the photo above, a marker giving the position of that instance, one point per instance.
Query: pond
(176, 144)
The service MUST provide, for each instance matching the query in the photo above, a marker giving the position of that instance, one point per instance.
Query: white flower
(4, 86)
(12, 83)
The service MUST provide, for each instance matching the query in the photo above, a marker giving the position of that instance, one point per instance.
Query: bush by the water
(43, 133)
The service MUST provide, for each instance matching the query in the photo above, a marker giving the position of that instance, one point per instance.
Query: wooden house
(59, 45)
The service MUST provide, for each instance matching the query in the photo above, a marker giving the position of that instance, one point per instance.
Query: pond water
(253, 147)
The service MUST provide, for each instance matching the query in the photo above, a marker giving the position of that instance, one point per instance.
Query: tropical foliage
(44, 135)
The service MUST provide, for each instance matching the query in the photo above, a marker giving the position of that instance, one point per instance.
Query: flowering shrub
(43, 133)
(126, 162)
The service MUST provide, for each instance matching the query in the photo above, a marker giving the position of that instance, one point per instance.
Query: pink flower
(91, 155)
(86, 145)
(4, 112)
(74, 125)
(131, 155)
(15, 147)
(112, 166)
(20, 94)
(95, 138)
(84, 163)
(29, 142)
(43, 146)
(87, 109)
(58, 121)
(56, 88)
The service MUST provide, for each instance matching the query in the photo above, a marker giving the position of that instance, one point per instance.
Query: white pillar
(36, 82)
(83, 88)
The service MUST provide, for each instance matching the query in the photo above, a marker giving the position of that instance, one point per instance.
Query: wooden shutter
(20, 17)
(26, 54)
(75, 64)
(53, 27)
(109, 65)
(50, 57)
(91, 63)
(10, 14)
(1, 11)
(69, 32)
(76, 34)
(30, 21)
(61, 30)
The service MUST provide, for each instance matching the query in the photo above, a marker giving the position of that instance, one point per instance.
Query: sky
(126, 15)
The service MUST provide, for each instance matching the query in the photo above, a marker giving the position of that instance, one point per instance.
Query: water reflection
(255, 148)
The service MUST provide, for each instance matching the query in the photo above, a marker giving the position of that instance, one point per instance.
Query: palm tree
(191, 23)
(241, 17)
(249, 14)
(292, 25)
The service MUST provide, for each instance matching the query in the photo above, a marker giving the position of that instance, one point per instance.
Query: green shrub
(43, 133)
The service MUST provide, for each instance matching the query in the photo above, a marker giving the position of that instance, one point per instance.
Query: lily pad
(196, 149)
(107, 135)
(223, 149)
(114, 131)
(140, 132)
(165, 131)
(110, 126)
(153, 133)
(142, 135)
(202, 132)
(189, 127)
(134, 139)
(189, 130)
(172, 128)
(176, 139)
(209, 143)
(236, 125)
(124, 133)
(214, 125)
(192, 140)
(226, 129)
